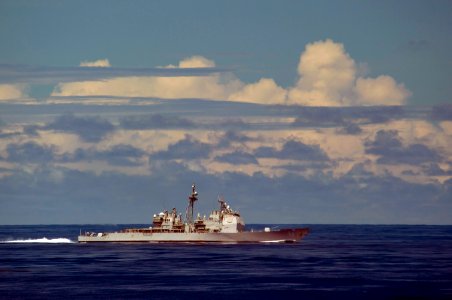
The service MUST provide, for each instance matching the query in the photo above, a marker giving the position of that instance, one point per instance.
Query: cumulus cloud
(12, 92)
(382, 90)
(196, 61)
(349, 166)
(328, 76)
(97, 63)
(213, 86)
(265, 91)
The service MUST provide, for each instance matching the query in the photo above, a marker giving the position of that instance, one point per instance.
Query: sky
(301, 112)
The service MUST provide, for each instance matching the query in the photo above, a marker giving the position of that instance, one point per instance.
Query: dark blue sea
(332, 262)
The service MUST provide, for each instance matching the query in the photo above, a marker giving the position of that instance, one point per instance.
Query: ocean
(332, 262)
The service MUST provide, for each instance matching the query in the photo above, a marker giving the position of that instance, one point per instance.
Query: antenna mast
(191, 201)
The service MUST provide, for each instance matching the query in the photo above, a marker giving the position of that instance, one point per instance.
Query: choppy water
(333, 262)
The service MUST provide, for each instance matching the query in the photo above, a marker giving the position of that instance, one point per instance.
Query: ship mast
(191, 201)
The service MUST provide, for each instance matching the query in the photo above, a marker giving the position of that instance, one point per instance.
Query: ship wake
(43, 240)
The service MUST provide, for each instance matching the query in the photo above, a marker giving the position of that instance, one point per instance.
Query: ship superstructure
(222, 225)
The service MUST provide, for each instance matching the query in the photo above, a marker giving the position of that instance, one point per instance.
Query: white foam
(42, 241)
(274, 241)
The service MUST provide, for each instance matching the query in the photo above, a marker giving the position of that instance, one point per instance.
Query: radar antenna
(222, 202)
(191, 201)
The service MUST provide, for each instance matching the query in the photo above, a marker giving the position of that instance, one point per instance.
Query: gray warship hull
(280, 236)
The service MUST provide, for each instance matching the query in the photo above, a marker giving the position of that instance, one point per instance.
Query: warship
(222, 226)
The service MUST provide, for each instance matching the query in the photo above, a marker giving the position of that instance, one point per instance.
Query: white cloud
(265, 91)
(97, 63)
(11, 92)
(146, 140)
(196, 61)
(210, 87)
(383, 90)
(446, 126)
(328, 76)
(63, 142)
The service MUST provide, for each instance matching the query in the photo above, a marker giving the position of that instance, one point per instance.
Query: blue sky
(339, 110)
(407, 39)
